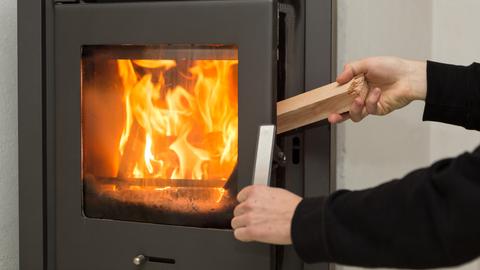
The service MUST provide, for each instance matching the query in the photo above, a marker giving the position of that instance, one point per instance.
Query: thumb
(351, 70)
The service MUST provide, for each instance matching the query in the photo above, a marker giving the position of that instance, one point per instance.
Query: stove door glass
(160, 133)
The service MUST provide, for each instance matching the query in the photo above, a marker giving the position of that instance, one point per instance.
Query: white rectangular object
(264, 156)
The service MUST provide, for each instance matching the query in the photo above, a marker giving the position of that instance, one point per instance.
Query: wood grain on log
(316, 105)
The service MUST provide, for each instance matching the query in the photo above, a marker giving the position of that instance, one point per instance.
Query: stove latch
(268, 154)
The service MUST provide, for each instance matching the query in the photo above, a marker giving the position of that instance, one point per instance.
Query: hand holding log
(316, 105)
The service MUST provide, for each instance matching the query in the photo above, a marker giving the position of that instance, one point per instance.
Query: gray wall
(8, 136)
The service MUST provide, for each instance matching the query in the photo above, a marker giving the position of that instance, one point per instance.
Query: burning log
(161, 183)
(133, 151)
(89, 183)
(316, 105)
(193, 203)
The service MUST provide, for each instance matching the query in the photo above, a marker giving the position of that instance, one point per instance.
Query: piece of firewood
(316, 105)
(133, 151)
(160, 183)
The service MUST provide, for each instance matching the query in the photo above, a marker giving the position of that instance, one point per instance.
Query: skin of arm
(264, 214)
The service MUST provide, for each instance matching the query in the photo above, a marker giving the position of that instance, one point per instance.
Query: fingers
(371, 102)
(336, 118)
(243, 217)
(250, 234)
(358, 110)
(244, 193)
(238, 222)
(351, 70)
(347, 74)
(245, 204)
(242, 234)
(250, 191)
(243, 208)
(242, 221)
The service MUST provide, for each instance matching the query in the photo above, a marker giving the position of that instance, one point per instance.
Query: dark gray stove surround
(283, 47)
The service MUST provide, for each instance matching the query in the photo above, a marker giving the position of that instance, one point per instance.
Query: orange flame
(186, 123)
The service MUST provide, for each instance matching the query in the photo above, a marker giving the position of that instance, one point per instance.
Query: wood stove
(138, 125)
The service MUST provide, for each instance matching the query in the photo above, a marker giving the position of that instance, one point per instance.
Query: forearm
(453, 95)
(417, 78)
(428, 219)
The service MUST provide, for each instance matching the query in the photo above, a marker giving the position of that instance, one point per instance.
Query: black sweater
(430, 218)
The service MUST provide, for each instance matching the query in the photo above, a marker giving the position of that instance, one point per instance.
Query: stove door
(158, 105)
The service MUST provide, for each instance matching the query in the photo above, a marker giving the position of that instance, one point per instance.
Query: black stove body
(138, 122)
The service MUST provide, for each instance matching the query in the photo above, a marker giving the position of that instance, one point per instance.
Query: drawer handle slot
(142, 259)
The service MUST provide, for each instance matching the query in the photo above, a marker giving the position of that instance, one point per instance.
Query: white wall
(380, 149)
(8, 136)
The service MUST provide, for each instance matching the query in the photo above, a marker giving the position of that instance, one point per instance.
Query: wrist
(417, 77)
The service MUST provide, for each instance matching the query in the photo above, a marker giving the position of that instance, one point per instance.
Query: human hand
(393, 83)
(264, 215)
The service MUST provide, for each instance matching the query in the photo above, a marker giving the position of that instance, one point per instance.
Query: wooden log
(133, 151)
(159, 183)
(316, 105)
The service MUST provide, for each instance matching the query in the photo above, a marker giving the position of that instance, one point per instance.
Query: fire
(180, 122)
(160, 133)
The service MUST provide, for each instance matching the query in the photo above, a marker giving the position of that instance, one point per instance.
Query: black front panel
(95, 231)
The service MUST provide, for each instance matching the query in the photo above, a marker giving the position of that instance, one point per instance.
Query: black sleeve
(430, 218)
(453, 94)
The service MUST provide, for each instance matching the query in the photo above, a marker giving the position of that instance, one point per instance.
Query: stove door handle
(264, 156)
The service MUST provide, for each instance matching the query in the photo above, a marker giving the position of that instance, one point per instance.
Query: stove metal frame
(311, 62)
